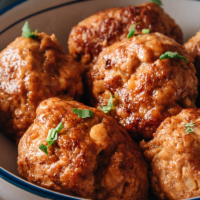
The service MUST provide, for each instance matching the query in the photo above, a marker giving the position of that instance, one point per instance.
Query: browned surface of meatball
(92, 158)
(193, 47)
(33, 70)
(173, 157)
(148, 89)
(92, 35)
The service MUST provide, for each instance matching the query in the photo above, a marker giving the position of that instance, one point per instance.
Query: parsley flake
(189, 124)
(43, 148)
(51, 137)
(110, 106)
(159, 2)
(169, 55)
(132, 30)
(145, 31)
(188, 128)
(26, 31)
(83, 113)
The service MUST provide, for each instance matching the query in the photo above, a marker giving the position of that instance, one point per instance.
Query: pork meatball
(92, 35)
(193, 47)
(147, 89)
(33, 70)
(93, 157)
(173, 156)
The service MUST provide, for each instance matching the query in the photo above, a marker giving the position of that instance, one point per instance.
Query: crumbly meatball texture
(92, 158)
(33, 70)
(92, 35)
(173, 157)
(193, 44)
(193, 47)
(148, 89)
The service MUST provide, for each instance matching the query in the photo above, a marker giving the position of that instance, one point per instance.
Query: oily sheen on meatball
(92, 157)
(33, 70)
(173, 157)
(92, 35)
(147, 89)
(193, 47)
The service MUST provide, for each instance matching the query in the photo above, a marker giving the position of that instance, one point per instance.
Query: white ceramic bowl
(59, 17)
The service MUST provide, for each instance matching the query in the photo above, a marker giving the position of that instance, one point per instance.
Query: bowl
(59, 17)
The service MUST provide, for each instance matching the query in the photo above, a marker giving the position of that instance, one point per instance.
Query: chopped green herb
(59, 127)
(189, 124)
(189, 130)
(26, 31)
(83, 113)
(110, 106)
(51, 137)
(132, 31)
(169, 55)
(53, 134)
(145, 31)
(43, 148)
(188, 127)
(159, 2)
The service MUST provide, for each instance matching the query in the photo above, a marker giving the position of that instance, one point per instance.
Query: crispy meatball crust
(33, 70)
(193, 47)
(173, 157)
(148, 89)
(93, 157)
(92, 35)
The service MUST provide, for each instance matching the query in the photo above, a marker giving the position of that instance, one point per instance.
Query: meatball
(173, 157)
(193, 47)
(92, 35)
(92, 158)
(33, 70)
(147, 89)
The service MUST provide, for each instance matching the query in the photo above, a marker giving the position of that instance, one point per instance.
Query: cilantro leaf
(110, 106)
(34, 35)
(26, 31)
(145, 31)
(159, 2)
(51, 137)
(83, 113)
(188, 127)
(43, 148)
(169, 55)
(132, 30)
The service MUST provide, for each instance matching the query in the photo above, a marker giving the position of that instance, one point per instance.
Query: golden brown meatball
(193, 47)
(33, 70)
(173, 157)
(148, 89)
(93, 157)
(92, 35)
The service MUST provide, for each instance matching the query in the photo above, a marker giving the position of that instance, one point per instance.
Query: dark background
(4, 3)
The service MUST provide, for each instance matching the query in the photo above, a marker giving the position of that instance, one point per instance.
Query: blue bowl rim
(25, 185)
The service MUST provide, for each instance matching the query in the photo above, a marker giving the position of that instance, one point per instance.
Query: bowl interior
(58, 18)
